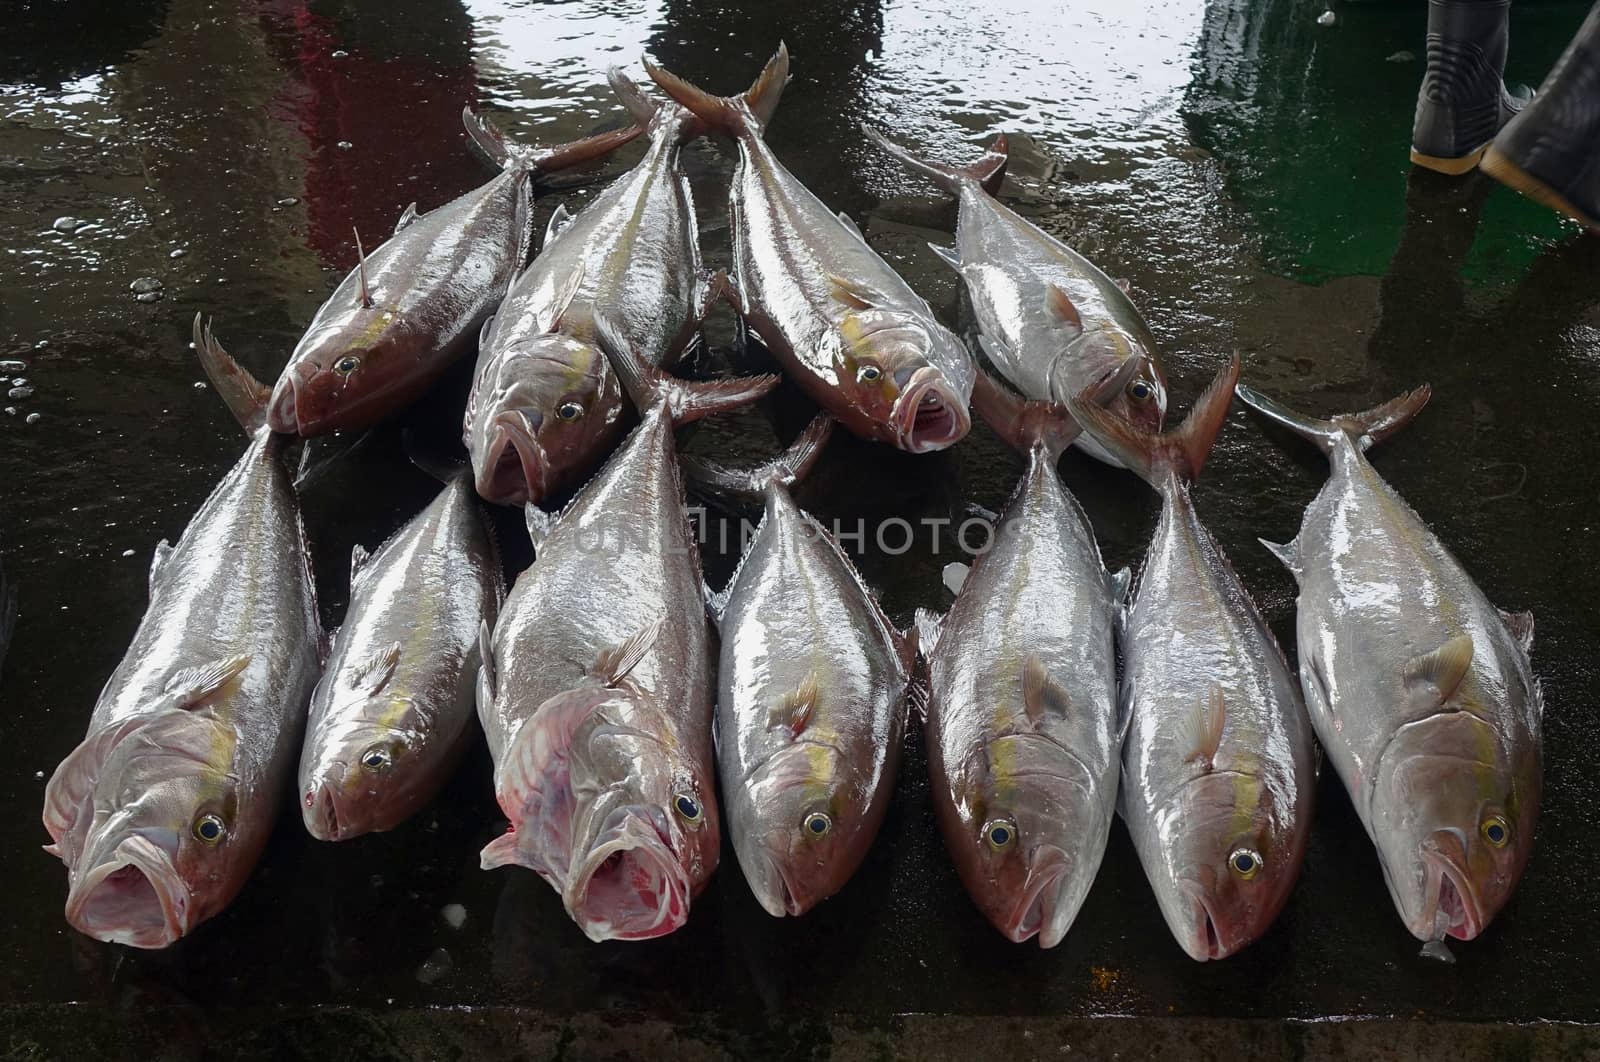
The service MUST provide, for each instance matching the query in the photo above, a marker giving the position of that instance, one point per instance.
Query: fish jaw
(514, 468)
(132, 895)
(1037, 911)
(1453, 905)
(327, 814)
(928, 414)
(630, 884)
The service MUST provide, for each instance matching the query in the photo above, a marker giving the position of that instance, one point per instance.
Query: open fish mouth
(928, 415)
(630, 885)
(515, 468)
(324, 818)
(133, 897)
(1452, 904)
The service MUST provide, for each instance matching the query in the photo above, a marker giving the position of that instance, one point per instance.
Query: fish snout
(133, 896)
(630, 884)
(1037, 908)
(929, 415)
(325, 811)
(283, 408)
(1199, 923)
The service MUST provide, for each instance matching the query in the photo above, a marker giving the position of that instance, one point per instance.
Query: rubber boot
(1463, 102)
(1551, 151)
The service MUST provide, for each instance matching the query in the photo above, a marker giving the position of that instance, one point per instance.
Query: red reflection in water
(399, 110)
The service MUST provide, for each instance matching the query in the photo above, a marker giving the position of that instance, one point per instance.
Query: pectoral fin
(949, 255)
(538, 522)
(1202, 729)
(375, 672)
(1041, 694)
(486, 676)
(193, 687)
(612, 665)
(1288, 553)
(1060, 307)
(849, 292)
(795, 710)
(1436, 675)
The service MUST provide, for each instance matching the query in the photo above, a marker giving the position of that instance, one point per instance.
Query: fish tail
(1364, 429)
(645, 110)
(686, 400)
(785, 469)
(1153, 456)
(987, 172)
(1026, 424)
(246, 396)
(507, 154)
(749, 112)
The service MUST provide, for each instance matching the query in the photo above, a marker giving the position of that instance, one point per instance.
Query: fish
(595, 689)
(842, 324)
(1048, 319)
(1219, 764)
(161, 812)
(396, 705)
(546, 406)
(415, 304)
(1421, 691)
(812, 687)
(1022, 730)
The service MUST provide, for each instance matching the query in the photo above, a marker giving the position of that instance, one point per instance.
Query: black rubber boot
(1551, 151)
(1463, 102)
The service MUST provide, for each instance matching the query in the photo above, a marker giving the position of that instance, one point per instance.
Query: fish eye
(1141, 391)
(999, 833)
(210, 829)
(347, 365)
(869, 373)
(817, 824)
(1496, 830)
(376, 759)
(688, 807)
(569, 411)
(1245, 863)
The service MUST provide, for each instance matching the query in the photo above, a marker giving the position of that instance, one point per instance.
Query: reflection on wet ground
(1243, 167)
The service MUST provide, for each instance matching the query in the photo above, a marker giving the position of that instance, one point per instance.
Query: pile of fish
(630, 711)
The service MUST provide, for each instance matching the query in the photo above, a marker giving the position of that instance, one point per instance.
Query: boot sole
(1501, 168)
(1452, 167)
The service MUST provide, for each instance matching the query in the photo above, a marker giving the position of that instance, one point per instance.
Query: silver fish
(1022, 730)
(161, 813)
(1051, 322)
(545, 406)
(1219, 766)
(596, 685)
(394, 709)
(1420, 689)
(415, 304)
(811, 697)
(840, 321)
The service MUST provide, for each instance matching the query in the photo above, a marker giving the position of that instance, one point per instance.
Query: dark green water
(1242, 166)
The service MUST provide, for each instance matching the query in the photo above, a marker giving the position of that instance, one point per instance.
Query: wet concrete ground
(1242, 166)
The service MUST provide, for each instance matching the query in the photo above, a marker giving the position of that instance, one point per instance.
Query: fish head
(1452, 814)
(1230, 854)
(1098, 352)
(1027, 835)
(539, 415)
(645, 835)
(798, 823)
(366, 769)
(900, 374)
(343, 370)
(159, 845)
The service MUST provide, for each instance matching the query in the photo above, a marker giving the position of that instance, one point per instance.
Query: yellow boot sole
(1452, 167)
(1508, 173)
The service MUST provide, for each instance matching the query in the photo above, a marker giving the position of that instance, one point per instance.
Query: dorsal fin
(955, 576)
(1436, 675)
(407, 216)
(795, 710)
(158, 561)
(1041, 694)
(374, 673)
(1060, 307)
(849, 223)
(1520, 624)
(560, 218)
(611, 666)
(1201, 733)
(361, 272)
(359, 555)
(928, 624)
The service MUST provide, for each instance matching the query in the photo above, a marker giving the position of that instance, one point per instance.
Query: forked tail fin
(246, 396)
(784, 470)
(686, 400)
(1364, 429)
(988, 172)
(508, 154)
(749, 112)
